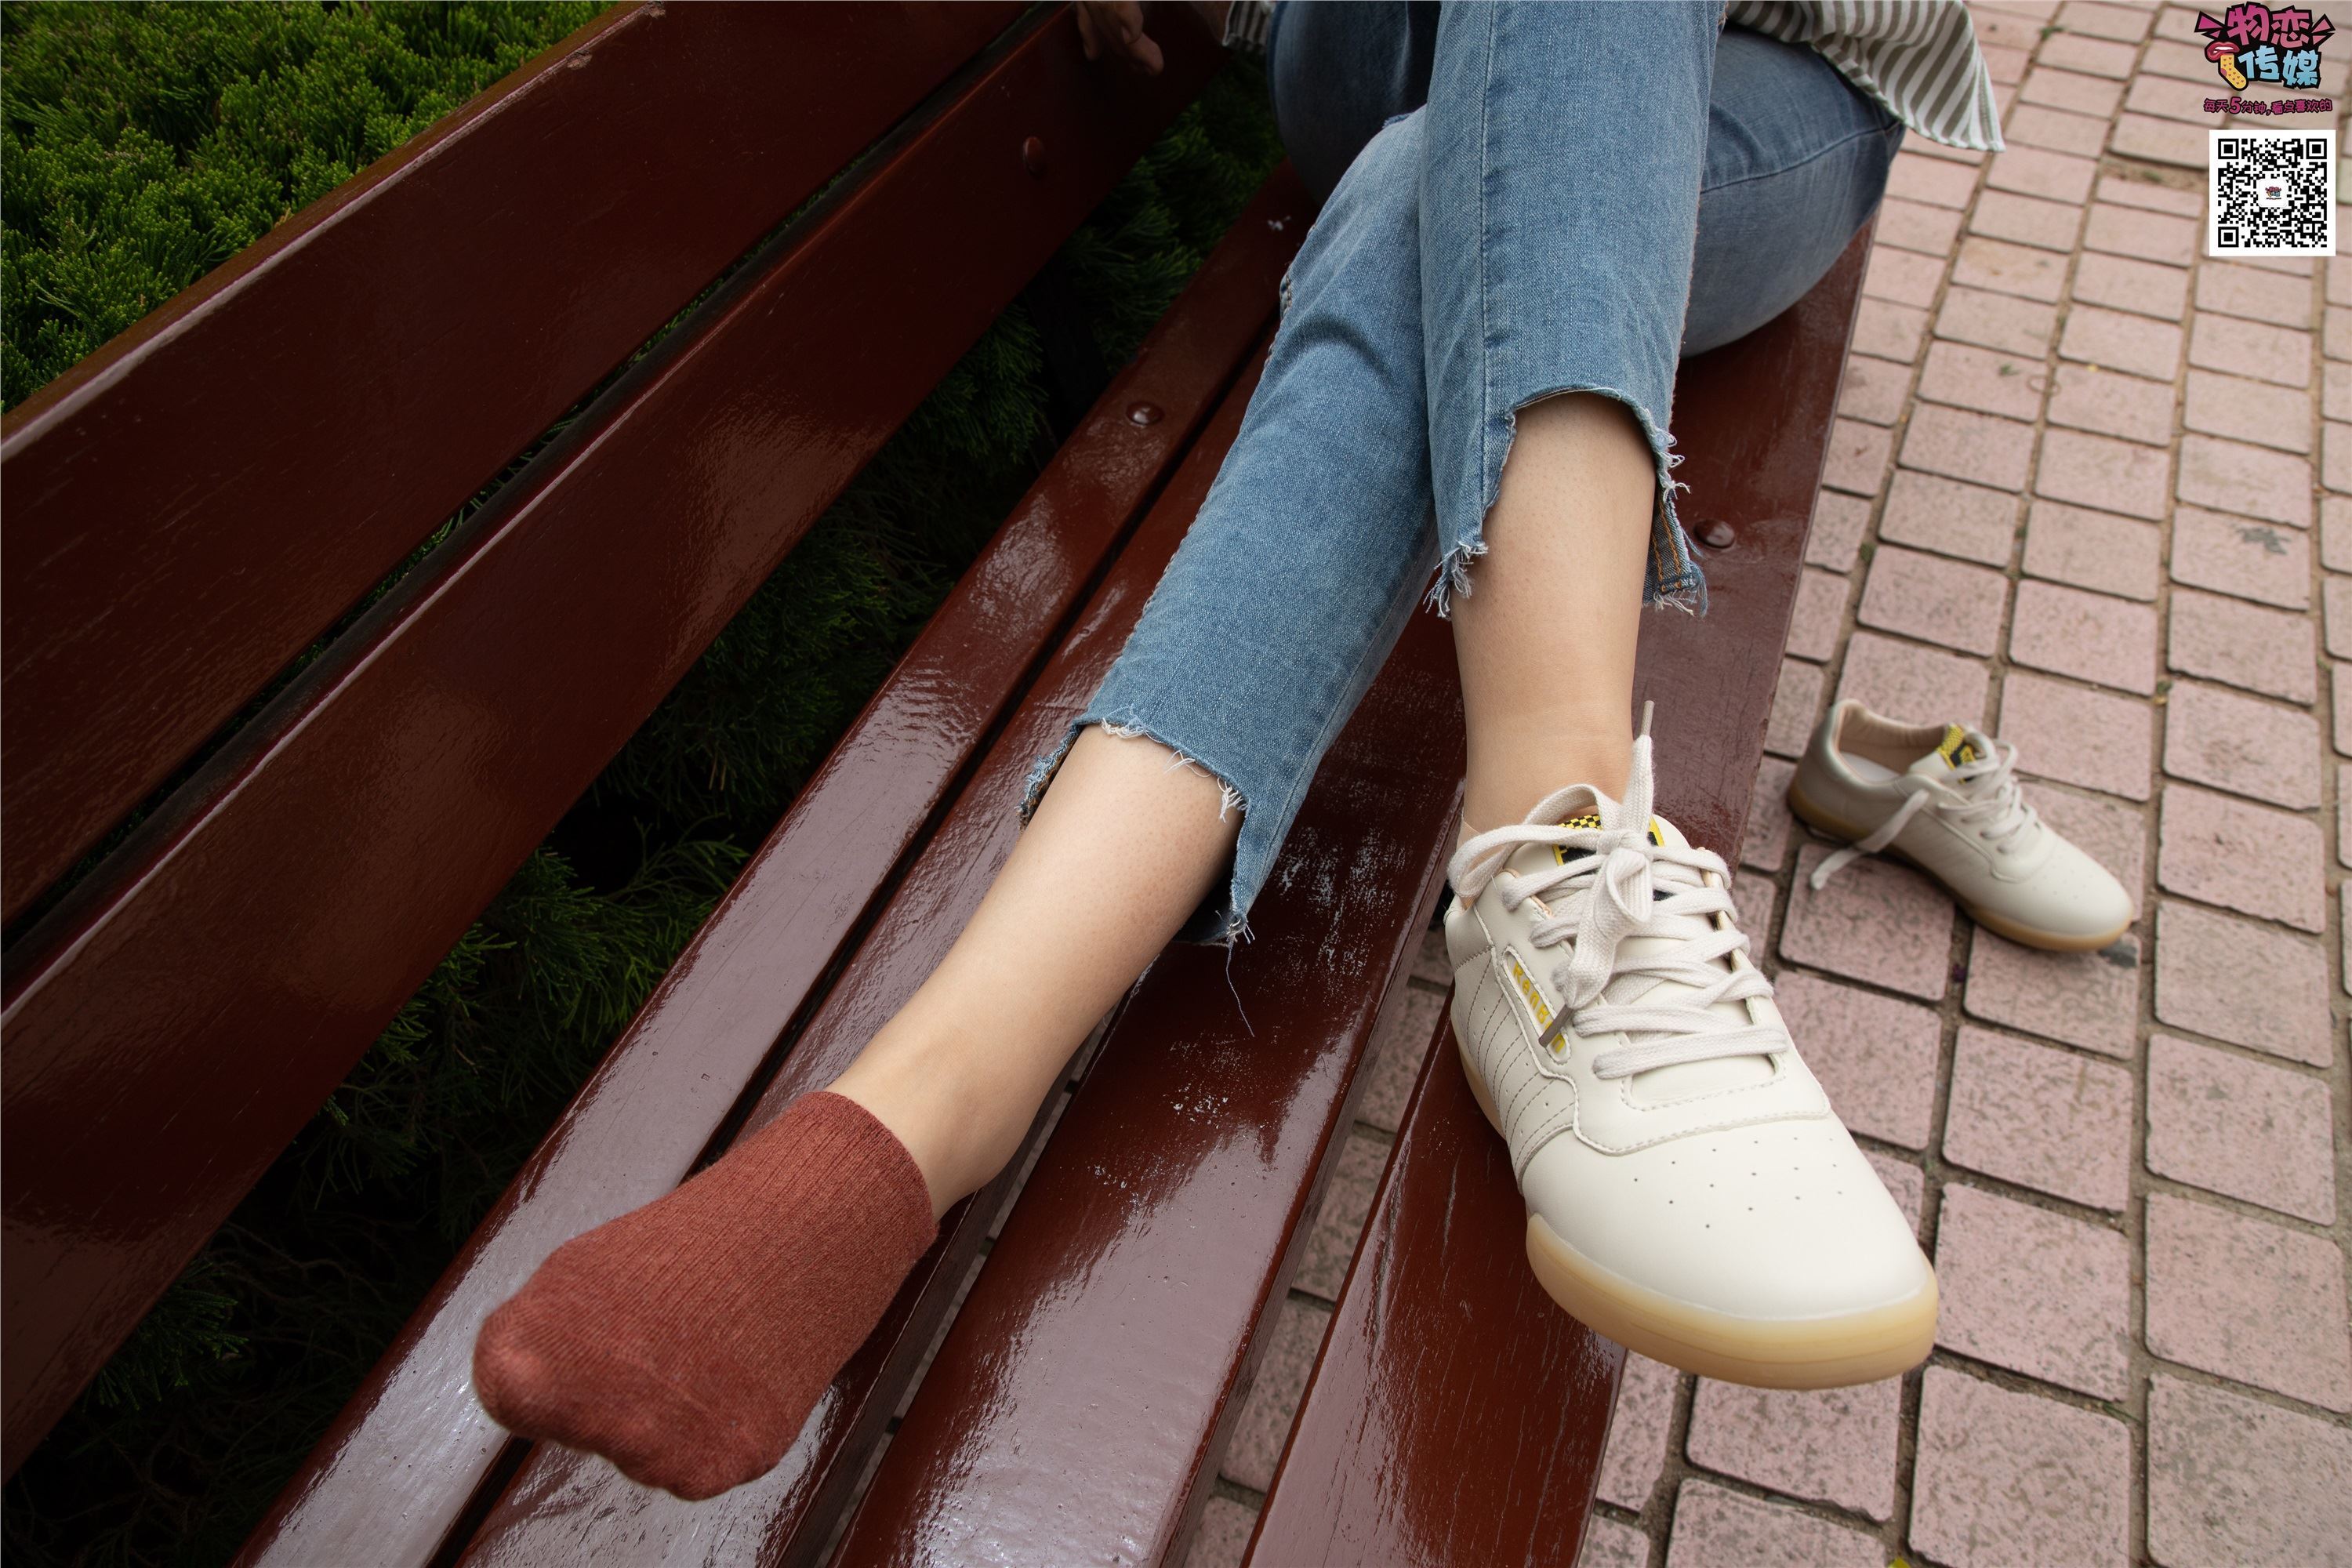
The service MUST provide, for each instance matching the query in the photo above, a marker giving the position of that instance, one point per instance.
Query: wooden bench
(191, 508)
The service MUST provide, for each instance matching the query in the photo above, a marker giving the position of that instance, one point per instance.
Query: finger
(1086, 31)
(1146, 54)
(1129, 18)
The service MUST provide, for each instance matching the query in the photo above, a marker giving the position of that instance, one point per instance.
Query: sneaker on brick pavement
(1945, 798)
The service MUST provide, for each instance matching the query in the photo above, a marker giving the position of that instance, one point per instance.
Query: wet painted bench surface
(173, 1022)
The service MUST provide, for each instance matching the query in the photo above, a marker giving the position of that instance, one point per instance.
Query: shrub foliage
(145, 143)
(148, 143)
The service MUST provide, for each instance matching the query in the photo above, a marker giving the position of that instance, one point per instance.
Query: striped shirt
(1918, 58)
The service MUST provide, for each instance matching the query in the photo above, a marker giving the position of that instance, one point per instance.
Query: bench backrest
(188, 511)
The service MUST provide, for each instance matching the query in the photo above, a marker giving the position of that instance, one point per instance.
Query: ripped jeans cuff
(1672, 578)
(1219, 922)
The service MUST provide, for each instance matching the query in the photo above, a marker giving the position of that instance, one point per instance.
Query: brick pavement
(2095, 490)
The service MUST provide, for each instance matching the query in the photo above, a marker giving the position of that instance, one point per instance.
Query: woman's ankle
(1506, 790)
(959, 1141)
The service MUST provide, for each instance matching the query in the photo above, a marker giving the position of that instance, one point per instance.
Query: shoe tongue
(1590, 821)
(1538, 857)
(1959, 746)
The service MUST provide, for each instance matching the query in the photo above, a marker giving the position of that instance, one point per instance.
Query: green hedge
(145, 144)
(148, 143)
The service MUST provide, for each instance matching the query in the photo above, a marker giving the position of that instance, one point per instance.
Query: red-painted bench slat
(563, 1509)
(1455, 1415)
(191, 506)
(1081, 1404)
(412, 1446)
(279, 919)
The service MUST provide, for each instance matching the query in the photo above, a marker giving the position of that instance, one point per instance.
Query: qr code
(2273, 193)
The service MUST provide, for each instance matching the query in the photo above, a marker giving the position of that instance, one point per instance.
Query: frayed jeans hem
(1216, 924)
(1673, 577)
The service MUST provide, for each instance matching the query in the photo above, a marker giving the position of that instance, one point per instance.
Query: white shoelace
(1992, 805)
(1611, 893)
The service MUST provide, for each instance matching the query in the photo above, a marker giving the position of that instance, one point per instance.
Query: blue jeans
(1537, 199)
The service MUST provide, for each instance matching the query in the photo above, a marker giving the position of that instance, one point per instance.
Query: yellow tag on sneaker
(1956, 748)
(1589, 822)
(1536, 1003)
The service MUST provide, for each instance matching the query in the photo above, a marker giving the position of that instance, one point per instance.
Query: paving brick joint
(2095, 490)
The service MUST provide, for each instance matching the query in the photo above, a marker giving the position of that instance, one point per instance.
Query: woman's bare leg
(1121, 850)
(1534, 279)
(1545, 637)
(688, 1340)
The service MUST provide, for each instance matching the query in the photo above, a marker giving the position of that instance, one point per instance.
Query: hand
(1117, 26)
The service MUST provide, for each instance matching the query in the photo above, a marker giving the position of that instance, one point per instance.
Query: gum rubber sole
(1822, 822)
(1817, 1353)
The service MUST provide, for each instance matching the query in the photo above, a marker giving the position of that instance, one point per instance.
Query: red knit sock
(688, 1341)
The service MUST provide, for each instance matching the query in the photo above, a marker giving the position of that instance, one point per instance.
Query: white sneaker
(1944, 797)
(1689, 1192)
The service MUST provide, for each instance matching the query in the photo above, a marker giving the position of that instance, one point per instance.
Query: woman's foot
(688, 1341)
(1689, 1192)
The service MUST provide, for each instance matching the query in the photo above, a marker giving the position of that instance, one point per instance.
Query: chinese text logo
(2255, 42)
